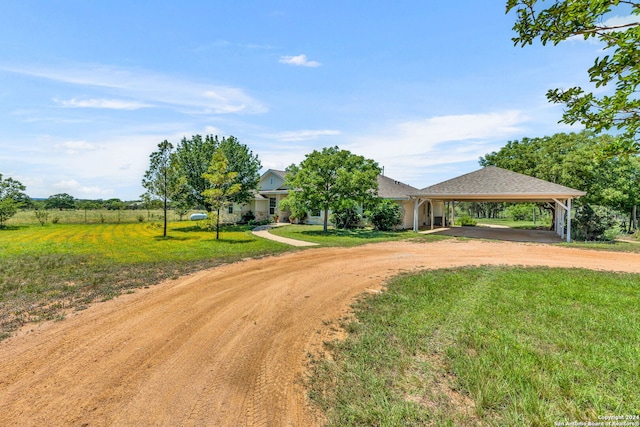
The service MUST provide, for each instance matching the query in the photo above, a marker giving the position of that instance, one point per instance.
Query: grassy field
(45, 271)
(486, 346)
(473, 346)
(93, 216)
(507, 222)
(347, 238)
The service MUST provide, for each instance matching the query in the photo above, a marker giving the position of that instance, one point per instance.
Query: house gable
(272, 180)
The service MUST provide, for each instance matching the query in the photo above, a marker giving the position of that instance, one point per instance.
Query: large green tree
(163, 180)
(194, 155)
(12, 197)
(574, 160)
(223, 186)
(556, 21)
(327, 178)
(60, 201)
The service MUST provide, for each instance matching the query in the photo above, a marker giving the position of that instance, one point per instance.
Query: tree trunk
(326, 220)
(218, 225)
(164, 234)
(634, 217)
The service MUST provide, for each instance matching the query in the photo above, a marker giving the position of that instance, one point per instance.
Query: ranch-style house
(431, 206)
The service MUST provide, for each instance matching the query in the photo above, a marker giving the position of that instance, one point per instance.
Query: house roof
(390, 188)
(277, 172)
(496, 184)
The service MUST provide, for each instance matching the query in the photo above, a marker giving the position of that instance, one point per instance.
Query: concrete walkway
(263, 231)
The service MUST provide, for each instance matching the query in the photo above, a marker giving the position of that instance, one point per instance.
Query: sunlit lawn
(336, 237)
(47, 269)
(489, 347)
(545, 223)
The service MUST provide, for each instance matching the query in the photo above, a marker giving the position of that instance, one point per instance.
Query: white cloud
(423, 136)
(211, 130)
(409, 149)
(73, 187)
(74, 147)
(301, 135)
(299, 60)
(113, 104)
(144, 88)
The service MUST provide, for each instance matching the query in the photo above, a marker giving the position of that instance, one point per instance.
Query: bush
(591, 223)
(466, 221)
(247, 218)
(520, 212)
(346, 216)
(385, 215)
(42, 216)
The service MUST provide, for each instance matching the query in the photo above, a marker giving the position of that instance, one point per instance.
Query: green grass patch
(94, 216)
(486, 346)
(544, 224)
(613, 246)
(347, 238)
(45, 271)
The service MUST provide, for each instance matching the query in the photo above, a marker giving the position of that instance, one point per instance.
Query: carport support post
(568, 220)
(416, 205)
(566, 207)
(431, 219)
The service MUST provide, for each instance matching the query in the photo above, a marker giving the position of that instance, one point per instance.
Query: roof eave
(499, 197)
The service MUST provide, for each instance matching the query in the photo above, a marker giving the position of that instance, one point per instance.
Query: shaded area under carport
(506, 234)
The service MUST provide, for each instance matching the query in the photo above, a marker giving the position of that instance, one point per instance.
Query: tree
(245, 164)
(162, 180)
(620, 66)
(60, 201)
(12, 196)
(223, 185)
(193, 158)
(327, 178)
(574, 160)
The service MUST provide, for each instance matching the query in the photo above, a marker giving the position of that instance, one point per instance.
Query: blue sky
(88, 89)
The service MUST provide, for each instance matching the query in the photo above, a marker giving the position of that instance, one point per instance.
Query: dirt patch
(227, 346)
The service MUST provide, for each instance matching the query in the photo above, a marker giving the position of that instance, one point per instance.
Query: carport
(492, 184)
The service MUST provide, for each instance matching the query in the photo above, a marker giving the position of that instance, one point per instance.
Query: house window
(230, 209)
(272, 205)
(315, 212)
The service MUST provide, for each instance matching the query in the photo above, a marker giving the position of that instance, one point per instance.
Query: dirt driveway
(227, 346)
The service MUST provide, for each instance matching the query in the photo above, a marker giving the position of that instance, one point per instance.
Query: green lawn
(487, 346)
(507, 222)
(346, 238)
(46, 270)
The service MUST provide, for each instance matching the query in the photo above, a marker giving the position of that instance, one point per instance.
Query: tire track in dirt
(227, 346)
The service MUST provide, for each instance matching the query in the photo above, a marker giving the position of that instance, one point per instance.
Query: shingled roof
(390, 188)
(495, 184)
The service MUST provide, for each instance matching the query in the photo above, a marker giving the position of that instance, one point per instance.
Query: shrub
(247, 218)
(466, 221)
(55, 219)
(140, 218)
(346, 216)
(520, 212)
(591, 223)
(385, 215)
(42, 216)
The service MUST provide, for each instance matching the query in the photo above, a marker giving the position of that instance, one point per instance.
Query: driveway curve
(226, 346)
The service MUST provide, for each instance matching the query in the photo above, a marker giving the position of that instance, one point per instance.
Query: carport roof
(494, 184)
